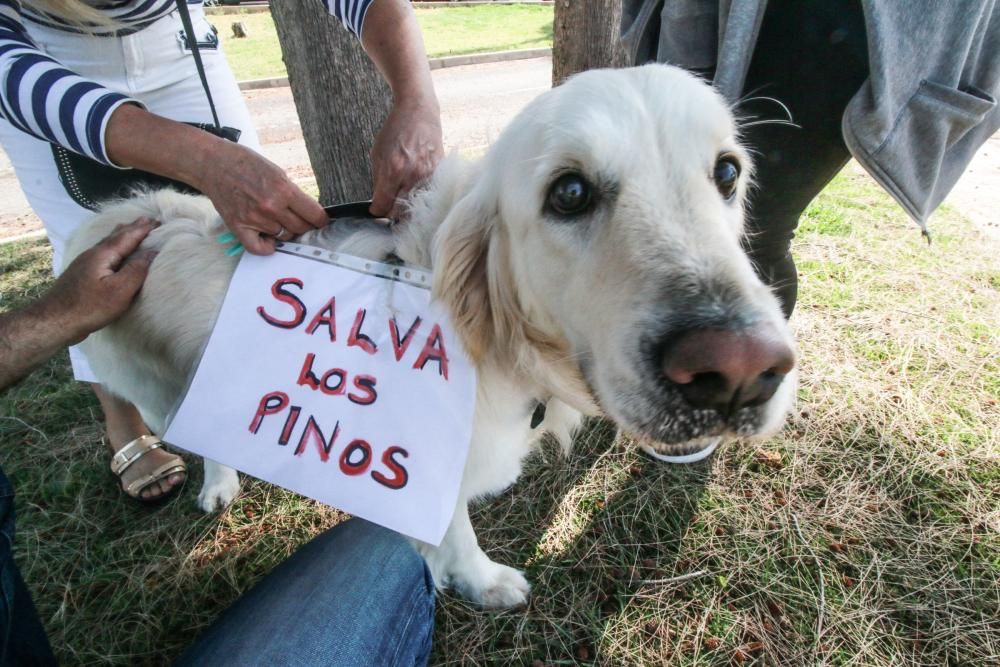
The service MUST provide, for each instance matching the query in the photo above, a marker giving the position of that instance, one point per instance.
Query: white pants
(153, 67)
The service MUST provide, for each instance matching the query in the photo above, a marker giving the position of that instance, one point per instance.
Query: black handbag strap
(192, 42)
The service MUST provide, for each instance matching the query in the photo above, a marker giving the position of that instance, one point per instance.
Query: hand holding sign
(348, 387)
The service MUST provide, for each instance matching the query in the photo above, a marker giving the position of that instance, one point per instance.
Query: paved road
(477, 101)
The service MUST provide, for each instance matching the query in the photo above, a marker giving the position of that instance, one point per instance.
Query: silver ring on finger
(282, 234)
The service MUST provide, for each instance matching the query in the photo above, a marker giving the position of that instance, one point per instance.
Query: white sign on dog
(338, 378)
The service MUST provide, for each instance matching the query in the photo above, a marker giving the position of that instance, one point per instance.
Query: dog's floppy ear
(461, 280)
(472, 277)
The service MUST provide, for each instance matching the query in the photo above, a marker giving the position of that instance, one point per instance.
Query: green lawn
(447, 31)
(867, 533)
(458, 30)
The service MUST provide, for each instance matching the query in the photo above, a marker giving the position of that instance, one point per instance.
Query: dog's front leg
(221, 485)
(459, 563)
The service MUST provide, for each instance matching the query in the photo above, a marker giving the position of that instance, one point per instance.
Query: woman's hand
(256, 199)
(409, 145)
(253, 195)
(406, 150)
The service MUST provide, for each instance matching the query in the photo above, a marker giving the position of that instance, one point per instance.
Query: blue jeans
(358, 594)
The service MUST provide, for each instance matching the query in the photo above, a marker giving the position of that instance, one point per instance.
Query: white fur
(548, 309)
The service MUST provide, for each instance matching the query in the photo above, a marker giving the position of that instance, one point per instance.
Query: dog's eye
(726, 175)
(569, 195)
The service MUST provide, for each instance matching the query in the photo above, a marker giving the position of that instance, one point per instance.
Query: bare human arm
(253, 195)
(409, 145)
(93, 291)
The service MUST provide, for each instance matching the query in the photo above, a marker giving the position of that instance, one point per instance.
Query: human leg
(22, 637)
(33, 163)
(124, 424)
(358, 594)
(812, 57)
(153, 67)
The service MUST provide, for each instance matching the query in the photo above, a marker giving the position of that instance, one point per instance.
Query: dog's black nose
(727, 369)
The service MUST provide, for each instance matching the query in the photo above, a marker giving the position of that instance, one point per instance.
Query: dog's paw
(219, 491)
(495, 586)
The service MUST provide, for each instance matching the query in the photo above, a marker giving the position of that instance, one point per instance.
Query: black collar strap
(538, 414)
(354, 209)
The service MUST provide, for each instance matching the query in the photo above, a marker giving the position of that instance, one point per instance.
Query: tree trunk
(585, 36)
(340, 97)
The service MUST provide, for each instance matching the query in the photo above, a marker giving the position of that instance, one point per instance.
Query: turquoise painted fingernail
(235, 250)
(225, 237)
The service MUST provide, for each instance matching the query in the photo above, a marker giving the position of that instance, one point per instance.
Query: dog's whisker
(745, 121)
(750, 94)
(773, 121)
(766, 98)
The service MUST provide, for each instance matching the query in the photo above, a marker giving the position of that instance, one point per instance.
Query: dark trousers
(812, 55)
(22, 639)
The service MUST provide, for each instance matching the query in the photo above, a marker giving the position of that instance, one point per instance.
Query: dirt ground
(477, 101)
(977, 194)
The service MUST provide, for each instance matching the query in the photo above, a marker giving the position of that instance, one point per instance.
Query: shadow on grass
(895, 493)
(119, 583)
(912, 534)
(588, 530)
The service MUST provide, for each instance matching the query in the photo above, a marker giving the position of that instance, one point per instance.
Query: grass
(447, 31)
(867, 533)
(256, 56)
(460, 30)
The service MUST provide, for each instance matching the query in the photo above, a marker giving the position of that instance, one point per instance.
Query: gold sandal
(134, 451)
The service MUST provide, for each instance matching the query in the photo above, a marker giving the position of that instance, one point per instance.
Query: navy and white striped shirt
(41, 97)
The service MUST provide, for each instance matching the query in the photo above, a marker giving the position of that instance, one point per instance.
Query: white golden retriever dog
(591, 261)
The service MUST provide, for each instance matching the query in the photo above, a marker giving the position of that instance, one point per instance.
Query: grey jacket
(929, 102)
